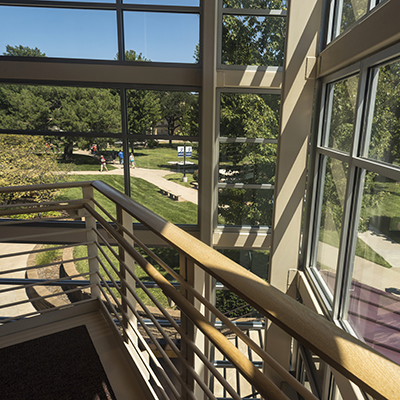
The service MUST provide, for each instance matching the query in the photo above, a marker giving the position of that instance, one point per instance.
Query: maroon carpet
(60, 366)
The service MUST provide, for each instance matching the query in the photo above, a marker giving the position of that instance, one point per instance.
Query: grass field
(168, 255)
(82, 162)
(143, 192)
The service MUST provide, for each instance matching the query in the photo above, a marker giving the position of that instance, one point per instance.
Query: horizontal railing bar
(10, 271)
(33, 299)
(46, 310)
(27, 206)
(42, 250)
(45, 186)
(34, 210)
(42, 235)
(227, 364)
(44, 282)
(351, 357)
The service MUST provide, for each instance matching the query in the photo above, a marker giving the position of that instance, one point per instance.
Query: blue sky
(93, 33)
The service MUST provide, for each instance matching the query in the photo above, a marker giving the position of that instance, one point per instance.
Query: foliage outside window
(248, 130)
(340, 125)
(256, 4)
(253, 40)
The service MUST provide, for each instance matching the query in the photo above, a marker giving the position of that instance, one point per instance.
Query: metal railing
(172, 343)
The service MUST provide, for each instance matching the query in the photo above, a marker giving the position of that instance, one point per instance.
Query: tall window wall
(355, 249)
(76, 124)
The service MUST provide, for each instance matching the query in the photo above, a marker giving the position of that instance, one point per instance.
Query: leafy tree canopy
(23, 51)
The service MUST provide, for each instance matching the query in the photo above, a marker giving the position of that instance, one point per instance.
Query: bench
(169, 194)
(195, 184)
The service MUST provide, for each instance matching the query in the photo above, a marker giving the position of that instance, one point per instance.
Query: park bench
(171, 195)
(195, 184)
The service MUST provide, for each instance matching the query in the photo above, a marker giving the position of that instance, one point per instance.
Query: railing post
(129, 318)
(91, 237)
(189, 271)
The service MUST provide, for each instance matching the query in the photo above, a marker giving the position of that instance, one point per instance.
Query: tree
(23, 51)
(250, 116)
(253, 40)
(69, 109)
(180, 112)
(23, 161)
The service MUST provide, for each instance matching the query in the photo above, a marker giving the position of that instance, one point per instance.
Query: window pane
(353, 10)
(65, 109)
(249, 115)
(60, 32)
(187, 3)
(252, 40)
(340, 125)
(331, 220)
(258, 4)
(245, 206)
(256, 261)
(385, 140)
(247, 163)
(165, 182)
(152, 112)
(374, 305)
(162, 37)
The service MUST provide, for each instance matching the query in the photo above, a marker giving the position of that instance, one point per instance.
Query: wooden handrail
(358, 362)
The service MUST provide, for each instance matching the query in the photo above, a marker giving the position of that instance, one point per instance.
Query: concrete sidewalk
(11, 263)
(154, 176)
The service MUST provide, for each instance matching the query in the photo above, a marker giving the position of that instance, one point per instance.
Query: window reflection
(341, 120)
(374, 304)
(385, 138)
(331, 220)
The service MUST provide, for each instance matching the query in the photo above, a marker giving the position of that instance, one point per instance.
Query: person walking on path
(121, 157)
(132, 160)
(103, 163)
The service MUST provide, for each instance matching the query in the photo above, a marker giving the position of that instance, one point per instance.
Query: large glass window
(330, 227)
(384, 143)
(248, 141)
(253, 40)
(339, 127)
(162, 37)
(356, 229)
(56, 32)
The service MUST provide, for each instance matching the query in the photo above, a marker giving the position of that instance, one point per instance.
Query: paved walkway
(366, 271)
(154, 176)
(11, 264)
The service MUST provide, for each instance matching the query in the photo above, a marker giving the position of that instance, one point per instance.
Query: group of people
(121, 161)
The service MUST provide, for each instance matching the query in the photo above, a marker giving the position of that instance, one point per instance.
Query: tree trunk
(68, 148)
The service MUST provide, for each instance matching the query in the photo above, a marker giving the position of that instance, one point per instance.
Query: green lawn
(143, 192)
(177, 178)
(83, 267)
(159, 157)
(362, 249)
(81, 162)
